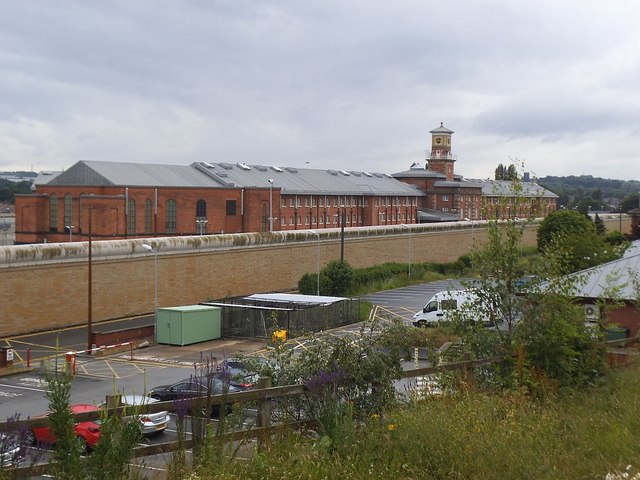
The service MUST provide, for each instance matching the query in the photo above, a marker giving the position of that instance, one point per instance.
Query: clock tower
(441, 160)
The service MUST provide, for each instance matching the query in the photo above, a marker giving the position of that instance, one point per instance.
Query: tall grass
(473, 436)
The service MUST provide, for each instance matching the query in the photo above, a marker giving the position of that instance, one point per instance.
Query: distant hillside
(8, 189)
(586, 191)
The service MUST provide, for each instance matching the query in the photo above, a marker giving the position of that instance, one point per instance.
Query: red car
(88, 433)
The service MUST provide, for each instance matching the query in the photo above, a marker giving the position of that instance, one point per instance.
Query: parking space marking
(18, 387)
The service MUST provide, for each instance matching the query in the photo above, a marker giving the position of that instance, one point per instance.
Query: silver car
(150, 422)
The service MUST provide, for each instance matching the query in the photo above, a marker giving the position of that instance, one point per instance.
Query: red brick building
(129, 200)
(451, 197)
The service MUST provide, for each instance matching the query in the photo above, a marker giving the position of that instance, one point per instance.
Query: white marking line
(23, 388)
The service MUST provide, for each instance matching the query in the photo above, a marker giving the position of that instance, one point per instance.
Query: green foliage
(388, 276)
(339, 277)
(9, 189)
(111, 458)
(67, 461)
(586, 435)
(616, 238)
(506, 173)
(599, 224)
(566, 222)
(629, 202)
(347, 378)
(582, 191)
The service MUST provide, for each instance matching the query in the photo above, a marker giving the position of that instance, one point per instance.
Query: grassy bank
(469, 436)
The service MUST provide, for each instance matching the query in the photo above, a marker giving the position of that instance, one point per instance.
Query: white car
(151, 422)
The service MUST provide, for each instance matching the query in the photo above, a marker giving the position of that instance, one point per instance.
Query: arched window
(148, 217)
(201, 216)
(170, 225)
(131, 217)
(53, 213)
(68, 210)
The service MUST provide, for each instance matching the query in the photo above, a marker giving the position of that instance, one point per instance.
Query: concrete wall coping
(66, 252)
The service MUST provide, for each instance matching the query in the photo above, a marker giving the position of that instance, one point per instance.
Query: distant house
(615, 283)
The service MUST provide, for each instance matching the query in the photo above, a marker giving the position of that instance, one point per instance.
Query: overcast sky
(353, 85)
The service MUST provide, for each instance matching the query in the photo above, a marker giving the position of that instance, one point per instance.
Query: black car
(192, 388)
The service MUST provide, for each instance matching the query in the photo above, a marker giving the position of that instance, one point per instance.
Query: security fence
(250, 318)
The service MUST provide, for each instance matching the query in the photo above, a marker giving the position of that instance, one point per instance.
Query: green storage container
(188, 324)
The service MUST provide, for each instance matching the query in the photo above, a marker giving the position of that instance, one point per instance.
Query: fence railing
(264, 394)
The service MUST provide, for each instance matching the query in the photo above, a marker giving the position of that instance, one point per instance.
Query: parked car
(151, 422)
(239, 371)
(191, 388)
(87, 433)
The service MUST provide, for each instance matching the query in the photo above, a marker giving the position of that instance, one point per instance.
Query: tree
(339, 277)
(629, 203)
(538, 329)
(599, 224)
(573, 241)
(568, 222)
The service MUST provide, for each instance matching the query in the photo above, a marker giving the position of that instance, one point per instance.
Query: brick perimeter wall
(45, 286)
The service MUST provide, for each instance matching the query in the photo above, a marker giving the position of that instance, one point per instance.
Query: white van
(441, 305)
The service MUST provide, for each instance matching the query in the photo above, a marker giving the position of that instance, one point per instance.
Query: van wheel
(422, 324)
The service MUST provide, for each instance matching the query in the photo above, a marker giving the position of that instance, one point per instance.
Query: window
(299, 220)
(306, 202)
(298, 202)
(68, 210)
(148, 216)
(283, 221)
(201, 216)
(306, 220)
(445, 198)
(131, 217)
(321, 217)
(290, 220)
(53, 213)
(313, 219)
(170, 223)
(313, 201)
(321, 201)
(335, 218)
(231, 208)
(449, 304)
(283, 202)
(366, 202)
(291, 202)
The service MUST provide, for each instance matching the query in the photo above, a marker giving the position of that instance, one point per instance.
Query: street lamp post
(317, 234)
(150, 249)
(70, 228)
(89, 282)
(410, 248)
(270, 204)
(342, 219)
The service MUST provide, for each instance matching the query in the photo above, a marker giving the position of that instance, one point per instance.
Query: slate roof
(621, 276)
(492, 188)
(225, 175)
(441, 129)
(428, 215)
